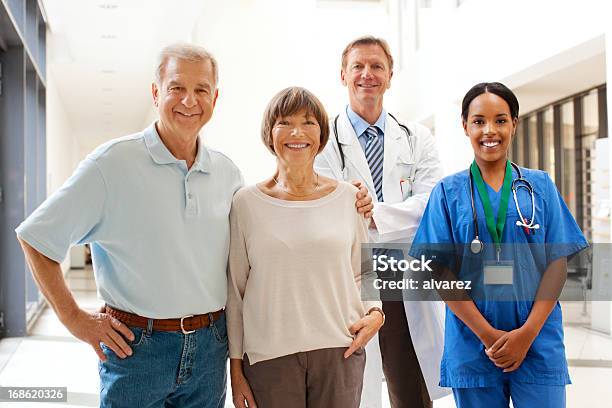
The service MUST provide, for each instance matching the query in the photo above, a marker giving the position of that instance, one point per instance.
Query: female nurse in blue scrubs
(506, 341)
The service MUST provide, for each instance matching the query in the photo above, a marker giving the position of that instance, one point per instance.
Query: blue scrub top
(448, 219)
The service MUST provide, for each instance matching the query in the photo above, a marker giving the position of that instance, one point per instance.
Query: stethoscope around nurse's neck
(476, 246)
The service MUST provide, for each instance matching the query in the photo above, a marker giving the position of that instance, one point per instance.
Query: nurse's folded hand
(509, 351)
(491, 336)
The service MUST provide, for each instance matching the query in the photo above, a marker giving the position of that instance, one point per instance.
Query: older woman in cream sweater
(297, 324)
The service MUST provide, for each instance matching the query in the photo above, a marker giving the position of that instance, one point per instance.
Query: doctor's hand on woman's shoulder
(364, 329)
(364, 201)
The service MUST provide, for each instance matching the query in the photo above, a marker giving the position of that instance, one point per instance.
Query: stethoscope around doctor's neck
(335, 129)
(476, 246)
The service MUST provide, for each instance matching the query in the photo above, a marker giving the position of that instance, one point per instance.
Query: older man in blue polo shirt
(154, 206)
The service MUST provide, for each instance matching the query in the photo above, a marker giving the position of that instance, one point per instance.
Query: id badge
(406, 188)
(498, 273)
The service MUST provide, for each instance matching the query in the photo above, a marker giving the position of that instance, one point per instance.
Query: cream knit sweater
(294, 273)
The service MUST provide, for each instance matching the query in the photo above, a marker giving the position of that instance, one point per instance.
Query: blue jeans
(168, 369)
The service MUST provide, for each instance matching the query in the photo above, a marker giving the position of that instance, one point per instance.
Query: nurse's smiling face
(490, 127)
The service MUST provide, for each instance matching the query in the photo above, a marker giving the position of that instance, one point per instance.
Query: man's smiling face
(185, 96)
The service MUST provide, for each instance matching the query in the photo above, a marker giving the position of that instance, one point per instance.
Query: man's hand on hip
(95, 328)
(92, 328)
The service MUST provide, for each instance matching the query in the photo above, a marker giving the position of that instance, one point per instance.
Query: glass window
(532, 143)
(588, 136)
(548, 144)
(511, 154)
(590, 118)
(517, 148)
(560, 139)
(568, 156)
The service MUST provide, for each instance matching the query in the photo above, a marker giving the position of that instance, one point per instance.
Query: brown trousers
(405, 382)
(314, 379)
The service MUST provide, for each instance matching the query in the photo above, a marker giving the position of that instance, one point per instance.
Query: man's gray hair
(188, 52)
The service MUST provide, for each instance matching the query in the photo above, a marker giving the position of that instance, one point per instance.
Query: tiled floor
(50, 356)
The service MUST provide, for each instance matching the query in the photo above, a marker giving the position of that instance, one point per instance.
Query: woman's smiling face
(490, 127)
(296, 138)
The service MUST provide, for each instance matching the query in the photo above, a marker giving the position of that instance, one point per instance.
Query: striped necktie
(374, 156)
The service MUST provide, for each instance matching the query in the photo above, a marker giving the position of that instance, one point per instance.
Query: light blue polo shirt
(159, 232)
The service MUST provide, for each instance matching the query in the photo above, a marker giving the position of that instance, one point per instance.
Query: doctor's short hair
(287, 102)
(496, 88)
(188, 52)
(368, 40)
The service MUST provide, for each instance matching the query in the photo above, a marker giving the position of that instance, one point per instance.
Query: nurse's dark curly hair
(496, 88)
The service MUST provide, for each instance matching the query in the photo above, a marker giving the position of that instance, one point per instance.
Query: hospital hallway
(75, 74)
(50, 356)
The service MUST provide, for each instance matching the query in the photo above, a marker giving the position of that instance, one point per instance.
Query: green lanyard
(494, 229)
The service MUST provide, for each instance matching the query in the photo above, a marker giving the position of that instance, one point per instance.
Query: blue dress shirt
(360, 126)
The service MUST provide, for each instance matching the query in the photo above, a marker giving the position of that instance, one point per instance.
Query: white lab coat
(415, 162)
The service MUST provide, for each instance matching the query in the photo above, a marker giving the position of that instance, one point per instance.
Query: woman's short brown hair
(287, 102)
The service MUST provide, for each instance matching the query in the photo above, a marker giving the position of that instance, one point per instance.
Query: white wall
(62, 146)
(265, 45)
(276, 44)
(487, 40)
(150, 117)
(63, 151)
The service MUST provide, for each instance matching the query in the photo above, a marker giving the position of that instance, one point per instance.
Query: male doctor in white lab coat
(399, 164)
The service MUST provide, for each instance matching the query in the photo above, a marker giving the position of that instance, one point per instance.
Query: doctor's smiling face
(490, 125)
(366, 71)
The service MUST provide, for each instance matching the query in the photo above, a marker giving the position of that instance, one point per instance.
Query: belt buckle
(183, 328)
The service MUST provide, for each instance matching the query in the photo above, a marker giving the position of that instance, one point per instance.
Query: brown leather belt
(186, 324)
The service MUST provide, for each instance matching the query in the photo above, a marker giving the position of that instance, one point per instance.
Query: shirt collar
(360, 125)
(202, 160)
(161, 155)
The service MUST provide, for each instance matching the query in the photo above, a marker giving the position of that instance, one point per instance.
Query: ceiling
(101, 55)
(572, 71)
